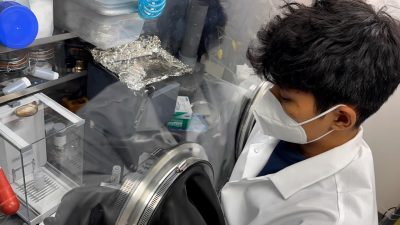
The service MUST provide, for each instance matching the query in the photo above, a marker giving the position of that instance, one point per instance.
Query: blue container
(18, 25)
(153, 3)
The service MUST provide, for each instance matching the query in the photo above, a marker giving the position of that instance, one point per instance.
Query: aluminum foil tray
(141, 62)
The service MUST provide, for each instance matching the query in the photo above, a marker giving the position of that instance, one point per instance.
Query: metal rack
(47, 84)
(40, 87)
(42, 41)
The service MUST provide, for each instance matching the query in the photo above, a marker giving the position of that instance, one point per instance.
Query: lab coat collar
(305, 173)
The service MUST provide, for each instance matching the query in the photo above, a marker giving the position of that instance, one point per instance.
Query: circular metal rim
(247, 120)
(146, 191)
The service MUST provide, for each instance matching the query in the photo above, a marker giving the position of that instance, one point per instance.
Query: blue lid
(147, 10)
(18, 25)
(153, 3)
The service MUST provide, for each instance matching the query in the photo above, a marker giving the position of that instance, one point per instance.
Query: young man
(332, 65)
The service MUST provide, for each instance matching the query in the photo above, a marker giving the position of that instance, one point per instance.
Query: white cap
(59, 126)
(55, 75)
(49, 126)
(26, 81)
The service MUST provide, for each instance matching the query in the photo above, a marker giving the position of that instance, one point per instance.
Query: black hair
(341, 51)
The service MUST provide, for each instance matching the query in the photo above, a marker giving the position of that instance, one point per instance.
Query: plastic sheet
(122, 125)
(123, 128)
(243, 22)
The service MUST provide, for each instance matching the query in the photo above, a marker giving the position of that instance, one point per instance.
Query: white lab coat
(336, 187)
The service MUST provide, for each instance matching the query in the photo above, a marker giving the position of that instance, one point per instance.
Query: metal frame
(40, 87)
(19, 142)
(143, 191)
(76, 120)
(42, 41)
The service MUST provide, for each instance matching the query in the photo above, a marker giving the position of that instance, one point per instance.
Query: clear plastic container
(18, 85)
(102, 31)
(45, 73)
(111, 7)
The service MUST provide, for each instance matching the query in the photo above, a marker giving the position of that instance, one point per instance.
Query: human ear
(345, 118)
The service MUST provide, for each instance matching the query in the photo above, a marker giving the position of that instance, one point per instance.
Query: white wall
(382, 133)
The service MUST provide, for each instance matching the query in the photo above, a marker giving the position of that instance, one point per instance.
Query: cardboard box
(182, 115)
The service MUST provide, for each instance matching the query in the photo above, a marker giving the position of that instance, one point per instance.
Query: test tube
(60, 139)
(38, 176)
(116, 174)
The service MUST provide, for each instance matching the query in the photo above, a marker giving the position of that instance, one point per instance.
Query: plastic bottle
(43, 10)
(60, 139)
(9, 203)
(116, 174)
(45, 73)
(18, 25)
(22, 2)
(17, 85)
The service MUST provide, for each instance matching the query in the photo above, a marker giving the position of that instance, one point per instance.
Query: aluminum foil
(141, 62)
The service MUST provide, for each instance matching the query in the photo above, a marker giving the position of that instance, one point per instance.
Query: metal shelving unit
(40, 87)
(47, 84)
(42, 41)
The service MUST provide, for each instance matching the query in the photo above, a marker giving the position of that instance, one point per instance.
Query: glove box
(41, 153)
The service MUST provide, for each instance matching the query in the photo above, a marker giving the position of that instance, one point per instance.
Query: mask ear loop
(319, 138)
(321, 115)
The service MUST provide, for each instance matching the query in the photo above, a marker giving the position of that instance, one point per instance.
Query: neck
(327, 143)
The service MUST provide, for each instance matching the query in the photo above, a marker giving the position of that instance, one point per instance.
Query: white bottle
(22, 2)
(43, 10)
(60, 139)
(17, 85)
(116, 175)
(45, 73)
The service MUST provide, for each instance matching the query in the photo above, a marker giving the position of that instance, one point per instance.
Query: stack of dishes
(42, 56)
(14, 61)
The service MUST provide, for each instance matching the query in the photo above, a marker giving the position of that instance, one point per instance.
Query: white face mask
(276, 123)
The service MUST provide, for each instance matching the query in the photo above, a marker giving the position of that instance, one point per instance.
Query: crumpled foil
(141, 62)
